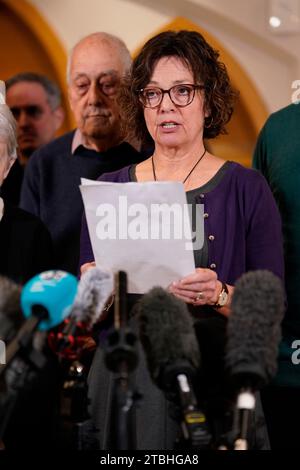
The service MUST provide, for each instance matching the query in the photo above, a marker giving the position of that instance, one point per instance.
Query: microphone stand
(21, 346)
(195, 431)
(244, 411)
(76, 389)
(239, 437)
(22, 343)
(122, 358)
(18, 377)
(193, 423)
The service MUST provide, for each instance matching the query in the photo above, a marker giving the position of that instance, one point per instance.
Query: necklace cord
(188, 175)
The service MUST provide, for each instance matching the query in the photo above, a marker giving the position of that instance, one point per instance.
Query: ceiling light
(274, 21)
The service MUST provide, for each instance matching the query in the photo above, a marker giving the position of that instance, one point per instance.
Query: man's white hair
(108, 39)
(8, 125)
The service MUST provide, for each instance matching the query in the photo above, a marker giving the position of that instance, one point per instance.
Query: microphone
(94, 289)
(121, 358)
(45, 300)
(254, 332)
(10, 308)
(121, 341)
(120, 318)
(172, 354)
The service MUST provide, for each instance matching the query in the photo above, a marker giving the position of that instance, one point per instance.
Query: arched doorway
(27, 43)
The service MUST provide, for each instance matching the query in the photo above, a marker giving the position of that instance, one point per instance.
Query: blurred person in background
(25, 250)
(35, 102)
(277, 156)
(25, 243)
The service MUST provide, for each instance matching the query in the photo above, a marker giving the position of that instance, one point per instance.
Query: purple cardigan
(242, 217)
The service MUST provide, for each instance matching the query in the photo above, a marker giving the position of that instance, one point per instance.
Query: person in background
(25, 243)
(35, 102)
(179, 92)
(25, 250)
(51, 184)
(277, 156)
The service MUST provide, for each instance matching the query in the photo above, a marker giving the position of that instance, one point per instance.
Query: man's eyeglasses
(180, 95)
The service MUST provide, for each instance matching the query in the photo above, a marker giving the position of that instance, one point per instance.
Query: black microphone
(120, 317)
(121, 357)
(11, 320)
(11, 317)
(254, 332)
(172, 353)
(121, 350)
(94, 289)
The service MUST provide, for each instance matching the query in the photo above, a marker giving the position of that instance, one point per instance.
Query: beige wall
(271, 61)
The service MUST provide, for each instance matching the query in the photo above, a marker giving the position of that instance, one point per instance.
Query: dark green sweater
(277, 156)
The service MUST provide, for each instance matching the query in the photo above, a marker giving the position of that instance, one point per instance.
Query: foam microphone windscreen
(167, 335)
(11, 317)
(93, 291)
(254, 326)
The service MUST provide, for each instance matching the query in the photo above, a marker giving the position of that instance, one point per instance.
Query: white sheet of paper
(124, 227)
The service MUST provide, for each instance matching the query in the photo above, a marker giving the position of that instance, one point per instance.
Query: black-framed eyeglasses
(180, 95)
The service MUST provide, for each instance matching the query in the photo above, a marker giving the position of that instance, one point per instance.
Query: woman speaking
(179, 94)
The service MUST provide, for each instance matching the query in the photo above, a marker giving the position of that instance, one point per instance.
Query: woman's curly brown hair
(201, 59)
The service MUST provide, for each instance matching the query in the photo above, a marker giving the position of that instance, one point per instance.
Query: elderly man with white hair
(50, 189)
(25, 243)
